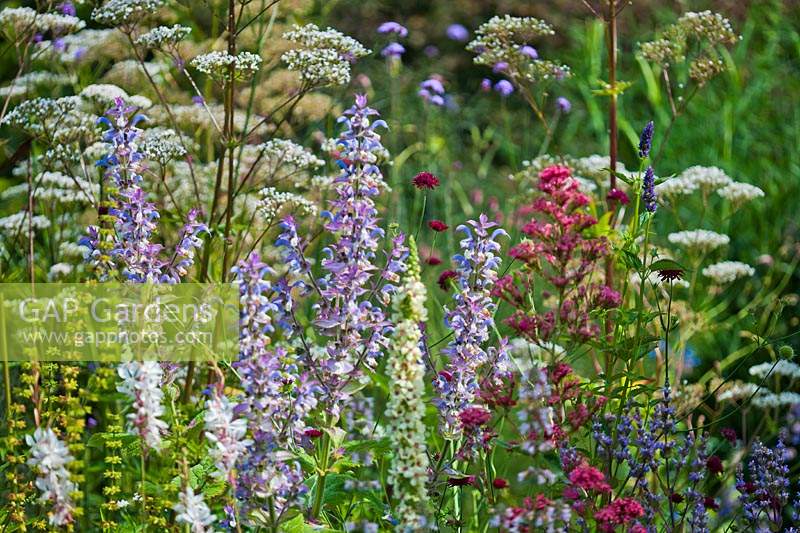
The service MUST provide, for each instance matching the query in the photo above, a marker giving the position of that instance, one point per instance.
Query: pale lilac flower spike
(563, 104)
(393, 27)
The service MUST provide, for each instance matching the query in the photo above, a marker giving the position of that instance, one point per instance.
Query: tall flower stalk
(408, 473)
(471, 320)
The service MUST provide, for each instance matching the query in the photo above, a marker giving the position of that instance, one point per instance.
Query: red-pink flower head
(437, 225)
(425, 180)
(474, 417)
(589, 478)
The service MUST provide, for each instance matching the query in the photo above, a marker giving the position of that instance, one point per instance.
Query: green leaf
(666, 264)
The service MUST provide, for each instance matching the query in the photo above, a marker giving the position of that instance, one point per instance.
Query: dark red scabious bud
(461, 481)
(499, 483)
(618, 196)
(444, 279)
(425, 180)
(312, 433)
(670, 274)
(474, 417)
(433, 260)
(710, 503)
(676, 498)
(729, 434)
(714, 465)
(437, 225)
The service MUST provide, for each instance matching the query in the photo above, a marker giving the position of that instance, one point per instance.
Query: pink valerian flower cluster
(471, 320)
(619, 512)
(557, 249)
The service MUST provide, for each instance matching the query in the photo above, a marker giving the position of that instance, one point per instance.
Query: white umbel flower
(164, 36)
(701, 240)
(321, 57)
(50, 457)
(225, 434)
(781, 367)
(772, 400)
(739, 193)
(218, 65)
(405, 410)
(728, 271)
(141, 381)
(193, 511)
(707, 178)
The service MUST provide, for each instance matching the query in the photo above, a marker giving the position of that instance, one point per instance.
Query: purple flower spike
(564, 105)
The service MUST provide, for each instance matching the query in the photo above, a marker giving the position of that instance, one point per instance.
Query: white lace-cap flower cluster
(223, 66)
(728, 271)
(701, 240)
(322, 57)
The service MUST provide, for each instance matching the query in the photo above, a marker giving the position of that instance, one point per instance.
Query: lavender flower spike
(355, 325)
(646, 140)
(649, 190)
(471, 321)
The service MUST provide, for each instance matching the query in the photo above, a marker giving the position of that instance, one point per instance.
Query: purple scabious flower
(486, 85)
(646, 140)
(500, 66)
(504, 87)
(432, 91)
(393, 50)
(471, 320)
(563, 105)
(393, 27)
(355, 290)
(457, 32)
(529, 52)
(649, 190)
(67, 8)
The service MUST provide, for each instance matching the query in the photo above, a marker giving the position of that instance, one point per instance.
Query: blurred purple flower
(529, 51)
(457, 32)
(500, 66)
(486, 85)
(504, 87)
(393, 27)
(564, 105)
(393, 50)
(198, 100)
(433, 85)
(67, 8)
(430, 51)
